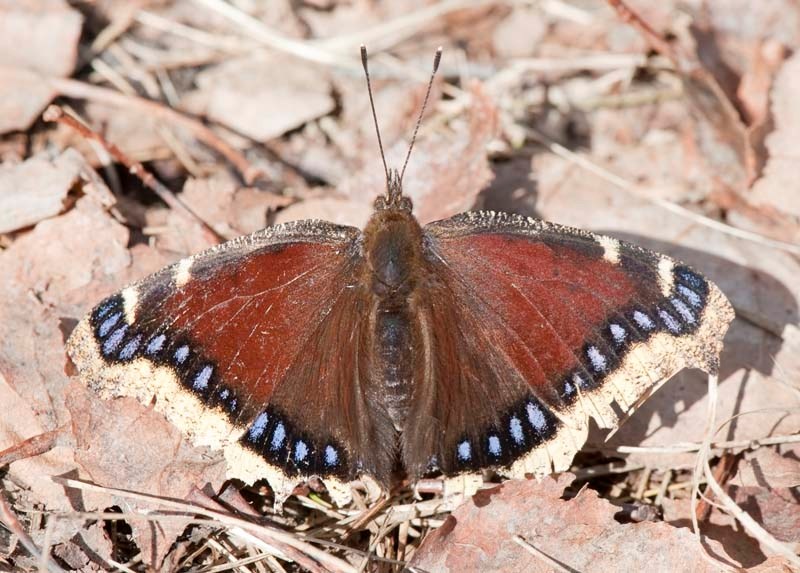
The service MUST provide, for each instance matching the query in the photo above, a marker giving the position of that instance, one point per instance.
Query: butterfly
(483, 341)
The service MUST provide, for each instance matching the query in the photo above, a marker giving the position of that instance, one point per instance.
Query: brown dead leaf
(766, 467)
(38, 38)
(237, 95)
(36, 189)
(580, 534)
(335, 210)
(778, 186)
(124, 444)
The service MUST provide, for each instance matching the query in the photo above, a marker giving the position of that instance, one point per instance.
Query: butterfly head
(394, 198)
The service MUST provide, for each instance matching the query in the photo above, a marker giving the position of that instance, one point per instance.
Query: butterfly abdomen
(394, 243)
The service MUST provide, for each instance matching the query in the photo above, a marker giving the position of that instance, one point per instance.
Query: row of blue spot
(270, 435)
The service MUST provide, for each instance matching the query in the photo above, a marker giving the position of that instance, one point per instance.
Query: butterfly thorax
(393, 241)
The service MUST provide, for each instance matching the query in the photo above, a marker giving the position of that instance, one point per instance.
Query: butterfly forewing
(257, 347)
(552, 325)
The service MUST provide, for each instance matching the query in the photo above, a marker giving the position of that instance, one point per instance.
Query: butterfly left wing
(255, 347)
(535, 328)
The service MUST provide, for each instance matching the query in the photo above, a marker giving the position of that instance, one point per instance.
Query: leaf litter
(257, 117)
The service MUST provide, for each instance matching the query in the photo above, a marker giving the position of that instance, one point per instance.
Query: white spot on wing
(666, 279)
(183, 272)
(130, 298)
(610, 249)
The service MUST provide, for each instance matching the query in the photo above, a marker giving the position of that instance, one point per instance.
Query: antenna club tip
(364, 56)
(436, 59)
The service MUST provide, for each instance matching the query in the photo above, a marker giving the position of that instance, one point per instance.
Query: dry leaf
(38, 38)
(36, 189)
(239, 95)
(122, 444)
(579, 534)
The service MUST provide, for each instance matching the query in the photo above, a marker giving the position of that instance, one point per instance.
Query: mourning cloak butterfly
(485, 340)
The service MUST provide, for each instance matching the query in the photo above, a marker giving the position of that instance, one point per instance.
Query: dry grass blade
(9, 519)
(57, 114)
(543, 557)
(261, 535)
(704, 468)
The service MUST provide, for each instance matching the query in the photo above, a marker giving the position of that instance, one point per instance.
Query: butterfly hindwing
(536, 327)
(255, 347)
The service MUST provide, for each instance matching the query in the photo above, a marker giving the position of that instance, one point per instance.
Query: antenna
(436, 59)
(372, 105)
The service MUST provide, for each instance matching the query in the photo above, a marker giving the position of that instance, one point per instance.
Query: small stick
(659, 44)
(9, 519)
(34, 446)
(57, 114)
(540, 555)
(722, 472)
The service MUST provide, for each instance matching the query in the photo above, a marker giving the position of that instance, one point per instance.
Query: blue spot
(580, 381)
(536, 416)
(331, 456)
(683, 310)
(300, 451)
(464, 451)
(111, 343)
(597, 359)
(494, 446)
(130, 349)
(278, 435)
(693, 298)
(224, 393)
(258, 427)
(694, 280)
(104, 308)
(181, 354)
(644, 321)
(671, 323)
(201, 378)
(617, 333)
(515, 427)
(108, 324)
(155, 344)
(233, 404)
(568, 389)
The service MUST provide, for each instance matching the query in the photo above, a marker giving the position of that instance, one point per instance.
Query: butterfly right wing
(257, 347)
